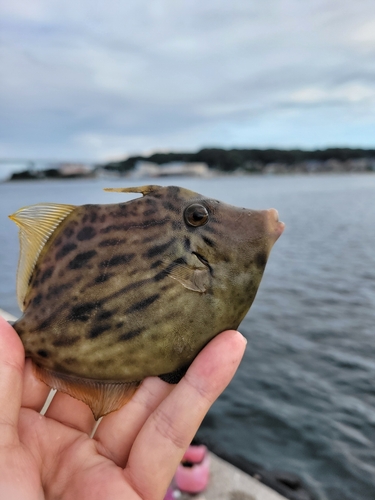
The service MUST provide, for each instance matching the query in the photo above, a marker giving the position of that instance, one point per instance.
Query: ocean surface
(303, 399)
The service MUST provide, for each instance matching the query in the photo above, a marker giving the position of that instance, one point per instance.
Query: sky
(102, 80)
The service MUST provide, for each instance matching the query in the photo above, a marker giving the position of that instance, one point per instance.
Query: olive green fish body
(124, 291)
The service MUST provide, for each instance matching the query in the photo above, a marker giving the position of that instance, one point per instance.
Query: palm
(135, 450)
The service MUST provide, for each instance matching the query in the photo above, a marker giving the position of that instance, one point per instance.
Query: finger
(35, 391)
(12, 357)
(167, 433)
(118, 430)
(71, 412)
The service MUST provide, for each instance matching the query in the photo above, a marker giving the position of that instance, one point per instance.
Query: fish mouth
(275, 226)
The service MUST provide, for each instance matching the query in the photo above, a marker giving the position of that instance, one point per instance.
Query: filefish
(114, 293)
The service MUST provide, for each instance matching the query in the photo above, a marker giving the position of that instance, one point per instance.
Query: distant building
(150, 169)
(74, 170)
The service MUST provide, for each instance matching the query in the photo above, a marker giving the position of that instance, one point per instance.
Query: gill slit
(204, 261)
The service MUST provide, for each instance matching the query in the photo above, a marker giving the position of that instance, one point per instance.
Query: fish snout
(275, 226)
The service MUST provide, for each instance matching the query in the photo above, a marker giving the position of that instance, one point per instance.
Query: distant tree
(248, 159)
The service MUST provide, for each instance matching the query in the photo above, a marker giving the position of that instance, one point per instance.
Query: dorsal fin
(134, 189)
(36, 224)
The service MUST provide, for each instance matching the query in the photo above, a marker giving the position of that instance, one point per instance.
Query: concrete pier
(229, 483)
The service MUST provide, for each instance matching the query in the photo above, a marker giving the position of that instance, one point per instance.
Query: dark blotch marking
(121, 211)
(173, 192)
(187, 243)
(169, 206)
(105, 315)
(93, 217)
(98, 330)
(117, 260)
(120, 324)
(66, 341)
(261, 260)
(156, 264)
(45, 324)
(160, 276)
(37, 300)
(150, 211)
(111, 242)
(150, 201)
(142, 304)
(126, 227)
(124, 290)
(177, 262)
(81, 259)
(113, 227)
(158, 249)
(68, 232)
(82, 312)
(176, 225)
(131, 334)
(86, 233)
(102, 278)
(55, 291)
(46, 275)
(103, 218)
(148, 239)
(69, 247)
(85, 218)
(209, 242)
(42, 353)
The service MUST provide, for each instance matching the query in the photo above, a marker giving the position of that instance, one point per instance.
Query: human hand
(135, 451)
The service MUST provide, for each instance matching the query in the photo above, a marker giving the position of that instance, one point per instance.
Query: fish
(113, 293)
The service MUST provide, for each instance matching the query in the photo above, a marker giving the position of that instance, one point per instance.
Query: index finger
(167, 433)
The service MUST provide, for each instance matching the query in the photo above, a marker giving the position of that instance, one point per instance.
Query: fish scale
(120, 292)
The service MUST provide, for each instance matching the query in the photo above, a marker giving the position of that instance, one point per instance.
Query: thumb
(12, 359)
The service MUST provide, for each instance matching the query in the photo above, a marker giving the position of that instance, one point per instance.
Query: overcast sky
(101, 80)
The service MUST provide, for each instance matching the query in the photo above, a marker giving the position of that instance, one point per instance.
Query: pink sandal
(193, 473)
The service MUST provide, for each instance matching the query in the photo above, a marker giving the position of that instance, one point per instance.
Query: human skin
(135, 450)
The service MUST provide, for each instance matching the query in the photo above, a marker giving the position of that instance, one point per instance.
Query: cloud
(85, 80)
(348, 93)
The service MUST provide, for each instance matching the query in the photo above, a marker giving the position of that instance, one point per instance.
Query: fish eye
(196, 215)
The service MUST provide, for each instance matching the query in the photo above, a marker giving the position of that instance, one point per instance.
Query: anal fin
(101, 397)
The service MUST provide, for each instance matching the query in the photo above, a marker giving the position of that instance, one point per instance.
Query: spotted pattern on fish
(114, 282)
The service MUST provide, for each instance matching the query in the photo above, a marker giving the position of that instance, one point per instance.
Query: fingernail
(244, 339)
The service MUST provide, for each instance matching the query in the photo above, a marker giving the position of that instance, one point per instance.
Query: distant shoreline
(211, 162)
(130, 175)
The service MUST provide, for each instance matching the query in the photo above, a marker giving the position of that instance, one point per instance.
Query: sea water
(303, 399)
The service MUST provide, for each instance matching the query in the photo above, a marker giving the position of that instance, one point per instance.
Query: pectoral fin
(101, 397)
(191, 273)
(36, 224)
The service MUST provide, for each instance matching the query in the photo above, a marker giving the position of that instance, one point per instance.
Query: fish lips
(274, 225)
